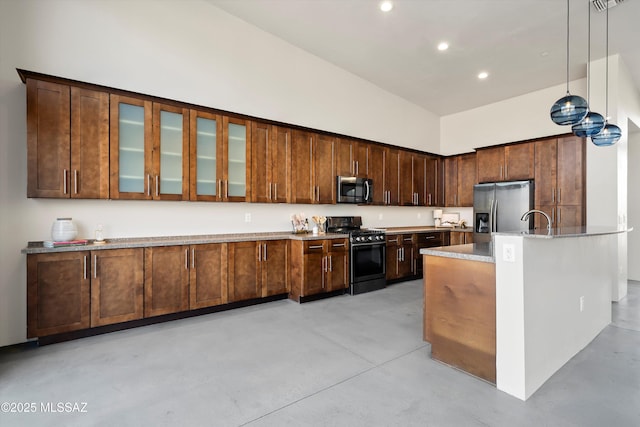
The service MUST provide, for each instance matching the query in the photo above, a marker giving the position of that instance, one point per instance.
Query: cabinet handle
(318, 193)
(324, 268)
(84, 267)
(64, 180)
(219, 188)
(157, 186)
(315, 247)
(553, 195)
(193, 257)
(330, 263)
(506, 171)
(275, 190)
(559, 216)
(553, 216)
(264, 253)
(429, 237)
(148, 185)
(259, 253)
(559, 198)
(95, 266)
(337, 245)
(501, 171)
(186, 259)
(75, 181)
(269, 190)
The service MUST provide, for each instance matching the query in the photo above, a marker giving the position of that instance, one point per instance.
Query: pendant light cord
(589, 55)
(606, 74)
(568, 47)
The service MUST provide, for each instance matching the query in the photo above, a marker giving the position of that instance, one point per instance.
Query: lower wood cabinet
(460, 237)
(257, 269)
(117, 286)
(57, 293)
(166, 284)
(426, 240)
(318, 266)
(207, 275)
(400, 256)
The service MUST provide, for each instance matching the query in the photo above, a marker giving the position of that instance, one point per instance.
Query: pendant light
(593, 122)
(570, 109)
(611, 133)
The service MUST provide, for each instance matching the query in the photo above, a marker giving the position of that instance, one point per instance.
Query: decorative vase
(63, 229)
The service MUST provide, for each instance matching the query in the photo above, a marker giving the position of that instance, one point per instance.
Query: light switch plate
(247, 217)
(508, 253)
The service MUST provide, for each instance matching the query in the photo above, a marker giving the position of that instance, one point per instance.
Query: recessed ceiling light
(386, 6)
(483, 75)
(443, 46)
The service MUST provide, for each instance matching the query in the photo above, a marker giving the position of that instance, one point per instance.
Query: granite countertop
(482, 252)
(560, 232)
(424, 229)
(141, 242)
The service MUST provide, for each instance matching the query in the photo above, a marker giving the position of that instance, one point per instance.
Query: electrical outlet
(247, 217)
(380, 216)
(508, 253)
(581, 304)
(419, 215)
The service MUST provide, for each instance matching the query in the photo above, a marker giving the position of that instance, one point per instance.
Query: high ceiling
(520, 43)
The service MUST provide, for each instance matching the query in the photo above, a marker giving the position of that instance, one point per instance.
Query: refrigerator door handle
(494, 222)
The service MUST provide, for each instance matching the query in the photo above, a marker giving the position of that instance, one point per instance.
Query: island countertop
(482, 252)
(562, 232)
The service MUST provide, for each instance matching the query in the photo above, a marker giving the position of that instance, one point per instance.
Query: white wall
(191, 52)
(634, 204)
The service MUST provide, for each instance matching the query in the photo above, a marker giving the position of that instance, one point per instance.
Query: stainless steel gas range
(367, 253)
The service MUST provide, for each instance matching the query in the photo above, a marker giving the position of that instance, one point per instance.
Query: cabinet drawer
(429, 239)
(338, 245)
(311, 246)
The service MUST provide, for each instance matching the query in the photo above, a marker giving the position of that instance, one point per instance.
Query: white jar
(63, 229)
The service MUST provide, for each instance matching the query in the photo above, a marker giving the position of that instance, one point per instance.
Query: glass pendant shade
(591, 125)
(609, 135)
(569, 110)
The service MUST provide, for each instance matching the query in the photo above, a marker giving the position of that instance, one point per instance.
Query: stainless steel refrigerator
(499, 207)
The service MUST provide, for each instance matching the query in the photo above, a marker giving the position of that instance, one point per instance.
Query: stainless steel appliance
(367, 253)
(351, 189)
(499, 207)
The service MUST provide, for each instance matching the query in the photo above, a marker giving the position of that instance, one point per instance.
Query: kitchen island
(552, 296)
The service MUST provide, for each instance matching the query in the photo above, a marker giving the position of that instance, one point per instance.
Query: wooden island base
(460, 314)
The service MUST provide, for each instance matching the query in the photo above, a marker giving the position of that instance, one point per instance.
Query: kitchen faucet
(526, 214)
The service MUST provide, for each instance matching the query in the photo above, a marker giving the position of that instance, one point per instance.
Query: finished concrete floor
(344, 361)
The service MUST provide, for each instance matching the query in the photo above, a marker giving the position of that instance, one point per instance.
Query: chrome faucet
(526, 215)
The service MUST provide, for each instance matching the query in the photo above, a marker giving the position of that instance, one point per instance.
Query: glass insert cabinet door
(131, 147)
(237, 159)
(205, 156)
(170, 152)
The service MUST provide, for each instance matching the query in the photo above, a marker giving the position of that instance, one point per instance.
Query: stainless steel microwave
(354, 190)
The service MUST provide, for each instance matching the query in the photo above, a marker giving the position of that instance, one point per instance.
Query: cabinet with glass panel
(219, 157)
(149, 150)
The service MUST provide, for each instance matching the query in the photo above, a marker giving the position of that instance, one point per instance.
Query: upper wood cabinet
(375, 159)
(351, 158)
(220, 158)
(434, 181)
(460, 177)
(312, 168)
(506, 163)
(560, 180)
(271, 159)
(391, 177)
(67, 141)
(412, 179)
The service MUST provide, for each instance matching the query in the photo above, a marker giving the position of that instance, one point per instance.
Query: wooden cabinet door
(570, 171)
(391, 178)
(451, 181)
(393, 256)
(166, 280)
(490, 164)
(275, 265)
(431, 181)
(360, 158)
(345, 163)
(236, 166)
(244, 272)
(280, 166)
(131, 148)
(406, 195)
(540, 222)
(208, 275)
(206, 152)
(419, 179)
(338, 271)
(302, 181)
(117, 286)
(519, 161)
(170, 173)
(405, 263)
(455, 238)
(375, 162)
(545, 172)
(314, 273)
(466, 179)
(261, 147)
(569, 216)
(48, 139)
(325, 176)
(57, 293)
(89, 144)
